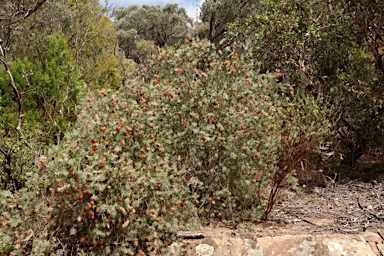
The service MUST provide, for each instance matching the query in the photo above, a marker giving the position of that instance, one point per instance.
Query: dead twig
(368, 212)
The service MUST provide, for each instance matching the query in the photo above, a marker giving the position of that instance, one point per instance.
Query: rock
(293, 245)
(366, 244)
(339, 245)
(371, 237)
(204, 250)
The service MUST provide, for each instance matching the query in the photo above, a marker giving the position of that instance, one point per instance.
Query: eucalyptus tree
(330, 47)
(218, 13)
(363, 79)
(91, 39)
(168, 25)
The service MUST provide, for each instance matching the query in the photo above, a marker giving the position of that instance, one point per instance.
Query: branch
(15, 90)
(24, 15)
(3, 151)
(8, 24)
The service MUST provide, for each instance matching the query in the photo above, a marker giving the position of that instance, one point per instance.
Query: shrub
(308, 122)
(36, 110)
(230, 124)
(222, 115)
(110, 185)
(198, 130)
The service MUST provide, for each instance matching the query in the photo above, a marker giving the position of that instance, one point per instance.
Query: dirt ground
(348, 206)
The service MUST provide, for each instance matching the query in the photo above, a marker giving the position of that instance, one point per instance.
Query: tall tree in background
(49, 50)
(217, 13)
(93, 42)
(91, 39)
(367, 24)
(362, 122)
(12, 105)
(168, 25)
(12, 14)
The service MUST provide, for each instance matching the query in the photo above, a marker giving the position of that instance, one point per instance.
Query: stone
(250, 248)
(366, 244)
(284, 245)
(204, 250)
(340, 245)
(374, 248)
(371, 237)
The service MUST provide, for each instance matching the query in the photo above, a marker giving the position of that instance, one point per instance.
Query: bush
(222, 115)
(110, 185)
(199, 130)
(237, 133)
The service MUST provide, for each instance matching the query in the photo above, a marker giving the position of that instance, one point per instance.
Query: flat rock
(366, 244)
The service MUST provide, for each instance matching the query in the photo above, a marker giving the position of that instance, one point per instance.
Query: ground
(351, 205)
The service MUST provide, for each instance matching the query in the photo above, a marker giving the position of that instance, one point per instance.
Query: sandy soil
(349, 206)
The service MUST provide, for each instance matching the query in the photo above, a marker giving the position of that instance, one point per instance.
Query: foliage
(144, 50)
(167, 25)
(321, 47)
(296, 37)
(218, 13)
(310, 124)
(93, 44)
(44, 58)
(91, 39)
(14, 13)
(109, 185)
(366, 24)
(206, 135)
(361, 126)
(220, 112)
(49, 92)
(229, 125)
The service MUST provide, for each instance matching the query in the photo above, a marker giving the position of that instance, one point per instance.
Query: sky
(188, 5)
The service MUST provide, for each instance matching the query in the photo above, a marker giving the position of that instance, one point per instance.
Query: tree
(217, 13)
(367, 20)
(168, 25)
(12, 15)
(93, 43)
(362, 121)
(48, 93)
(332, 48)
(49, 51)
(91, 39)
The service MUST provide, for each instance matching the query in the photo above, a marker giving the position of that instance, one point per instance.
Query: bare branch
(14, 88)
(21, 14)
(8, 23)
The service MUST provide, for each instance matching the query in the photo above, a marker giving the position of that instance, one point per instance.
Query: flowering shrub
(237, 134)
(110, 185)
(198, 130)
(223, 117)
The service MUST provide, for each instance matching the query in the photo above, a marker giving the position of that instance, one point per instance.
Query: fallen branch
(189, 235)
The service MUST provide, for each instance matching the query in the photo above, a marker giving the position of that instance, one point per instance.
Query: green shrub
(199, 130)
(223, 117)
(308, 122)
(37, 111)
(237, 133)
(110, 186)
